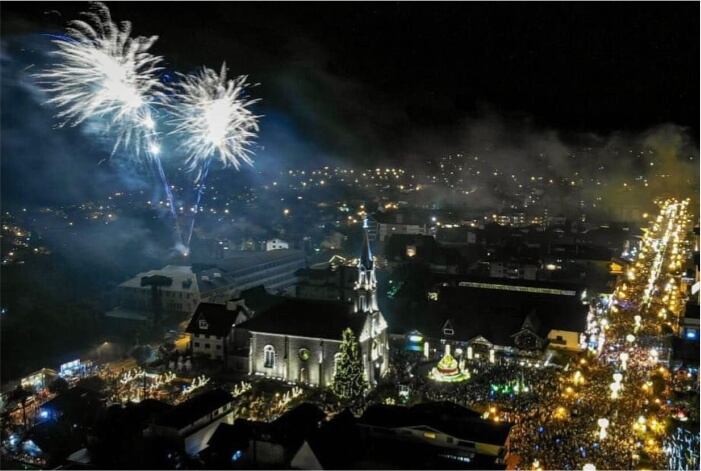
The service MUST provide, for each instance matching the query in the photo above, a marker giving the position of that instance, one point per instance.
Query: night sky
(357, 82)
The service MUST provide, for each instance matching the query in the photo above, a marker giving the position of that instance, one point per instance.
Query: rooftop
(217, 317)
(306, 318)
(190, 411)
(445, 417)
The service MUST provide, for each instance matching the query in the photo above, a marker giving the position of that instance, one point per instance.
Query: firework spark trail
(200, 189)
(169, 197)
(213, 118)
(103, 73)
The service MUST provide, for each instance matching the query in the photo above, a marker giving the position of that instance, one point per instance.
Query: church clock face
(304, 354)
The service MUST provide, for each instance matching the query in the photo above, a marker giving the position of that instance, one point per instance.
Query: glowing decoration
(349, 378)
(589, 467)
(682, 448)
(427, 350)
(197, 383)
(603, 425)
(630, 338)
(469, 353)
(213, 116)
(304, 354)
(491, 356)
(415, 338)
(624, 360)
(239, 389)
(448, 370)
(615, 387)
(577, 378)
(654, 355)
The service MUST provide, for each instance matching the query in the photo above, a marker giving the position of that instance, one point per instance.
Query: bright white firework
(104, 73)
(212, 117)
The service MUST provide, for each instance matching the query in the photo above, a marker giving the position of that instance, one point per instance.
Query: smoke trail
(200, 188)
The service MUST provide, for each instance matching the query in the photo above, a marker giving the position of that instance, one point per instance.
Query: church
(297, 340)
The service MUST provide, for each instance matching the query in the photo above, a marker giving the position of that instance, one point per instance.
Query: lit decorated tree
(348, 379)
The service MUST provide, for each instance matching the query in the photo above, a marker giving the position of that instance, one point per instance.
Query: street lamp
(589, 467)
(624, 360)
(615, 387)
(603, 425)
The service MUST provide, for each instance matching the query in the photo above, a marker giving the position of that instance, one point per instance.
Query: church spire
(366, 286)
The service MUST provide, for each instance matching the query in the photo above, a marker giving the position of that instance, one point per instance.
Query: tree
(58, 385)
(348, 379)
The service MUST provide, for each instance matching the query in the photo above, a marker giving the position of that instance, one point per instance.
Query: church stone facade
(298, 340)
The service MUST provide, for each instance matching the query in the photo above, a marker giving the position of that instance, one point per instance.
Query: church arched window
(269, 356)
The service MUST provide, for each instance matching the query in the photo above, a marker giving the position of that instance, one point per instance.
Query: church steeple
(366, 286)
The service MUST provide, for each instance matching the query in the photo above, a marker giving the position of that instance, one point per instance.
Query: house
(179, 291)
(192, 423)
(251, 445)
(276, 244)
(211, 327)
(510, 317)
(454, 432)
(399, 222)
(76, 405)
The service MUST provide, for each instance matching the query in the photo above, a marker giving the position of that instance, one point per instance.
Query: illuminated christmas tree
(348, 379)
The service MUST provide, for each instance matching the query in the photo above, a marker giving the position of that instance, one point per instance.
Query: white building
(276, 244)
(184, 293)
(398, 223)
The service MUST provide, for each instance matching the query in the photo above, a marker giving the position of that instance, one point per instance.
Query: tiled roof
(218, 318)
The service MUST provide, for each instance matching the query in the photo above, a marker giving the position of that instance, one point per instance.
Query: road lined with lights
(613, 410)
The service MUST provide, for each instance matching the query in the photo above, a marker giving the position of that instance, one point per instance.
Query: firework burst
(104, 73)
(212, 117)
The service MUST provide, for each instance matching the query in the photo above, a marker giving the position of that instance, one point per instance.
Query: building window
(197, 344)
(203, 324)
(269, 356)
(207, 346)
(218, 347)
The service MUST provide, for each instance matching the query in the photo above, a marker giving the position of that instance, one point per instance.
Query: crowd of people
(555, 411)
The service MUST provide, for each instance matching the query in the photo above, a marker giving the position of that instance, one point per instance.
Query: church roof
(306, 318)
